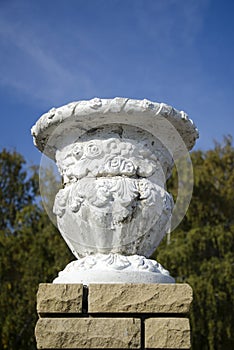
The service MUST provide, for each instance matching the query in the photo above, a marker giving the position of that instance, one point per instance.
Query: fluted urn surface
(114, 157)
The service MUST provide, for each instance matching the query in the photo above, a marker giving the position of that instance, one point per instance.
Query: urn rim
(159, 119)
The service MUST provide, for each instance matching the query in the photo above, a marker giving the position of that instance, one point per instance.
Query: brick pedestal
(113, 316)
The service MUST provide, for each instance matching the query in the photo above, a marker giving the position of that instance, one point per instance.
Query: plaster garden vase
(114, 157)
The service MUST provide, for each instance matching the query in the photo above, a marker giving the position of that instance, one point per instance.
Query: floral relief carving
(116, 204)
(105, 158)
(109, 193)
(112, 200)
(93, 150)
(119, 166)
(116, 262)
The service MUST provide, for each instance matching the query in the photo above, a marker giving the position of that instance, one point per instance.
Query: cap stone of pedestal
(148, 298)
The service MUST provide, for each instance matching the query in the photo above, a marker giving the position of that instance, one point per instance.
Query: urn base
(114, 268)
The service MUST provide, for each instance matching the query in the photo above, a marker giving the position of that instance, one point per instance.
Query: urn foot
(114, 268)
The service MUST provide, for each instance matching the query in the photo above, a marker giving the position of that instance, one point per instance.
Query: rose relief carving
(105, 158)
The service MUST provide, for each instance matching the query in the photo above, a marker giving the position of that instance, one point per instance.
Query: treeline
(199, 252)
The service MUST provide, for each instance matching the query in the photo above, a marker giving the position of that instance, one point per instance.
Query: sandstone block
(59, 298)
(142, 298)
(88, 333)
(167, 333)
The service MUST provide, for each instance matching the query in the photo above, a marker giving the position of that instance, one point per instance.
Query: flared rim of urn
(164, 122)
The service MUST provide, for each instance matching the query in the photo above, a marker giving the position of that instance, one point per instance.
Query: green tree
(201, 249)
(31, 251)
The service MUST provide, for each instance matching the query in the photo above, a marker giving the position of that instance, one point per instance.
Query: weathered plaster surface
(114, 157)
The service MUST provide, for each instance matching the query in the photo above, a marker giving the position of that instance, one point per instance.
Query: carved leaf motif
(116, 261)
(124, 190)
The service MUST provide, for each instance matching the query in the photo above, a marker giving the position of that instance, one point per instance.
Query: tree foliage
(200, 251)
(31, 251)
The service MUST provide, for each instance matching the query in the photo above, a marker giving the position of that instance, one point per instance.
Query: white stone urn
(114, 156)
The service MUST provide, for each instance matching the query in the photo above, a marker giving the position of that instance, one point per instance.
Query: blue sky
(180, 52)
